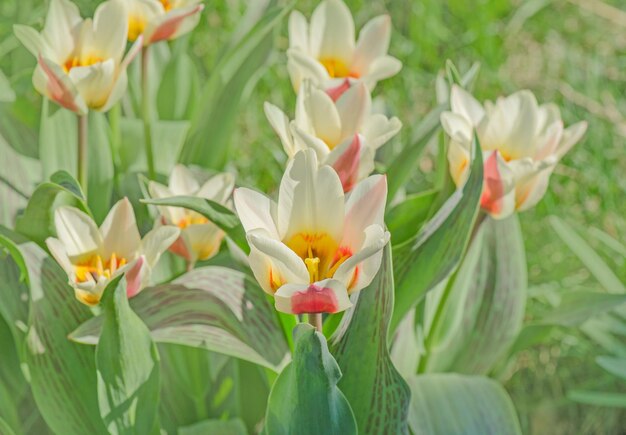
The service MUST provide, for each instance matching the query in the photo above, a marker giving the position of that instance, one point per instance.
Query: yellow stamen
(167, 4)
(191, 219)
(320, 253)
(97, 268)
(136, 27)
(76, 61)
(337, 68)
(312, 265)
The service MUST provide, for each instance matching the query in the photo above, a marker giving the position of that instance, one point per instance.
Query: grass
(572, 52)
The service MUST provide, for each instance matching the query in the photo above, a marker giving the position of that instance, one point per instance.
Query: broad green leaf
(305, 399)
(58, 138)
(443, 404)
(598, 398)
(13, 288)
(428, 258)
(220, 215)
(377, 393)
(178, 90)
(127, 362)
(588, 256)
(62, 373)
(212, 307)
(12, 383)
(577, 307)
(37, 221)
(405, 219)
(222, 96)
(613, 365)
(221, 427)
(484, 308)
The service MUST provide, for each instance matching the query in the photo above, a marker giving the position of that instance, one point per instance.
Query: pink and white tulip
(343, 132)
(159, 20)
(521, 140)
(316, 245)
(92, 256)
(325, 50)
(200, 239)
(81, 63)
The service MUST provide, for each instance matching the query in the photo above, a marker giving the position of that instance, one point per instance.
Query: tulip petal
(203, 240)
(353, 106)
(382, 68)
(157, 241)
(183, 181)
(336, 92)
(463, 103)
(60, 29)
(298, 32)
(95, 82)
(498, 197)
(76, 231)
(327, 296)
(110, 27)
(136, 277)
(529, 192)
(172, 215)
(51, 81)
(373, 43)
(365, 206)
(301, 66)
(332, 32)
(57, 249)
(571, 135)
(521, 142)
(323, 115)
(280, 123)
(30, 39)
(310, 198)
(255, 210)
(173, 24)
(378, 129)
(358, 271)
(218, 188)
(304, 140)
(347, 163)
(119, 231)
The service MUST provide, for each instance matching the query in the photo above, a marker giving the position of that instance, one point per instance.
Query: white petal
(378, 130)
(332, 32)
(373, 43)
(50, 80)
(571, 135)
(382, 68)
(110, 26)
(530, 192)
(30, 39)
(158, 241)
(77, 231)
(498, 197)
(95, 82)
(301, 66)
(117, 93)
(463, 103)
(183, 181)
(359, 270)
(172, 215)
(58, 251)
(285, 265)
(218, 188)
(280, 123)
(353, 106)
(203, 240)
(458, 161)
(298, 32)
(119, 231)
(173, 24)
(255, 210)
(323, 116)
(310, 199)
(60, 29)
(521, 142)
(365, 206)
(327, 296)
(304, 140)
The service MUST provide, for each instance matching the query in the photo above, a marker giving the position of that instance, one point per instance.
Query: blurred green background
(572, 52)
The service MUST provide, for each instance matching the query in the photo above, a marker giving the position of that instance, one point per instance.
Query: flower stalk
(83, 160)
(315, 319)
(145, 111)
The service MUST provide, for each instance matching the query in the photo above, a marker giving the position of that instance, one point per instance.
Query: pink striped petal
(60, 88)
(347, 165)
(493, 187)
(134, 278)
(338, 91)
(169, 27)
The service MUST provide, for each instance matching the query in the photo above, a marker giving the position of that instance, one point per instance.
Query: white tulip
(315, 246)
(92, 256)
(325, 50)
(81, 63)
(343, 133)
(200, 239)
(521, 141)
(159, 20)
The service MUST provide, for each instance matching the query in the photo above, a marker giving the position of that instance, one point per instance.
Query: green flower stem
(145, 111)
(83, 160)
(315, 319)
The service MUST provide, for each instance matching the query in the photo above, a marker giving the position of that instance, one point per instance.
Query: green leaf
(427, 259)
(61, 372)
(613, 365)
(220, 215)
(598, 398)
(221, 427)
(405, 219)
(7, 94)
(178, 90)
(128, 367)
(577, 307)
(222, 96)
(305, 399)
(212, 307)
(588, 256)
(484, 309)
(100, 171)
(448, 403)
(377, 393)
(37, 221)
(58, 138)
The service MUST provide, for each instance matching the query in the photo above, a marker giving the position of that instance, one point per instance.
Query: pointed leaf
(212, 307)
(377, 393)
(305, 398)
(577, 307)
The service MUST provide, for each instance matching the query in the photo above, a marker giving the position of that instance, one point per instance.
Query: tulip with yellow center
(521, 140)
(199, 239)
(339, 126)
(81, 62)
(92, 256)
(315, 246)
(159, 20)
(325, 50)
